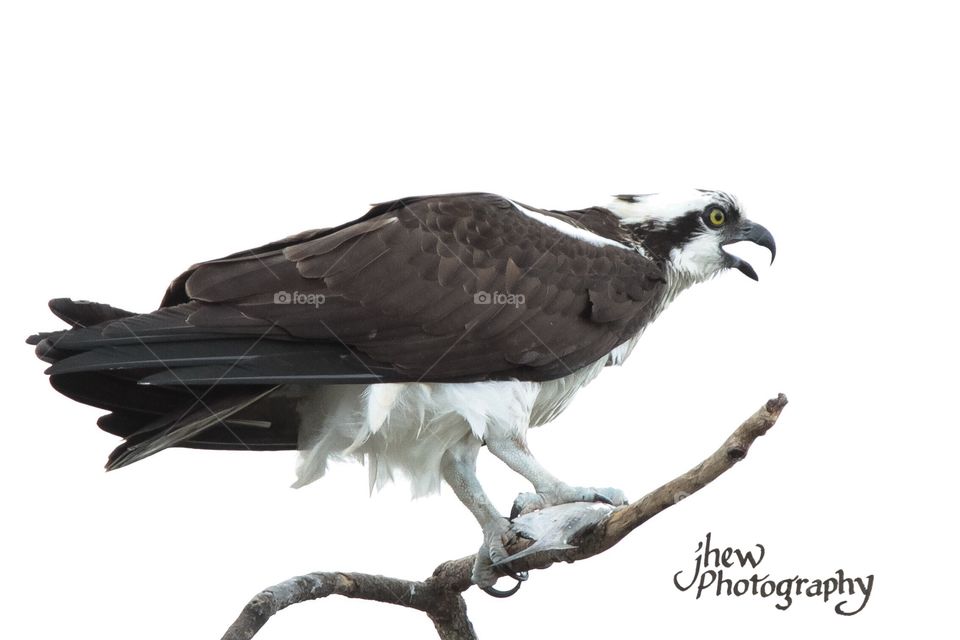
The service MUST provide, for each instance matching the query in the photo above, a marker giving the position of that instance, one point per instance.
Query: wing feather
(413, 286)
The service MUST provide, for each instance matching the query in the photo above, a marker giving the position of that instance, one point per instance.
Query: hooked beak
(752, 232)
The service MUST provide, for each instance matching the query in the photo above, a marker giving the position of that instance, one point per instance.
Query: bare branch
(439, 596)
(446, 609)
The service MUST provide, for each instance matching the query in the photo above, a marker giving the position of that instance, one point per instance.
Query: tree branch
(439, 596)
(446, 608)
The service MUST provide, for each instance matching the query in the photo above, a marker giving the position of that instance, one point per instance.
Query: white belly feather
(403, 429)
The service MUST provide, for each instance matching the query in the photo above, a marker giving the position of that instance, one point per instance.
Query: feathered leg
(459, 466)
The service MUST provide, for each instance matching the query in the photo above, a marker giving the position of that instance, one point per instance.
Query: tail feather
(106, 355)
(79, 314)
(83, 313)
(177, 427)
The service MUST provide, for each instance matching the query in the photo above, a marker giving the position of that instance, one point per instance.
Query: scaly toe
(496, 536)
(565, 494)
(491, 561)
(484, 575)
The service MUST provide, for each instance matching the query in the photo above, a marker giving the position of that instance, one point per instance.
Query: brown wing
(460, 286)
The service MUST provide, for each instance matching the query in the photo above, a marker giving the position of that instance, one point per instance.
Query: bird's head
(688, 230)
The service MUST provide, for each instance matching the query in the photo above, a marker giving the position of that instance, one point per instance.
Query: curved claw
(599, 497)
(519, 576)
(497, 593)
(526, 502)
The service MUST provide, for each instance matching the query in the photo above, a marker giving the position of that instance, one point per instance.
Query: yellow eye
(716, 217)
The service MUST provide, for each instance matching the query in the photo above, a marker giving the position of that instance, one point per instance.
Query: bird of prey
(407, 339)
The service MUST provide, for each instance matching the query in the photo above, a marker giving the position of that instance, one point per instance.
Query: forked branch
(439, 596)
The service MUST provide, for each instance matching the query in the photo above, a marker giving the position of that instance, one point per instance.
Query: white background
(137, 139)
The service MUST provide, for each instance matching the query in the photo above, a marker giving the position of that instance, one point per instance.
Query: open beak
(752, 232)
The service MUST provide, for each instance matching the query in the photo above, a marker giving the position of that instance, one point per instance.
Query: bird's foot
(496, 536)
(565, 494)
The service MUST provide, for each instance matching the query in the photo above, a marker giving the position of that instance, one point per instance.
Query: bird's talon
(497, 593)
(492, 558)
(527, 502)
(519, 576)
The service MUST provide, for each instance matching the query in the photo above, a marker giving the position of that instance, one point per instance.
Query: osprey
(406, 339)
